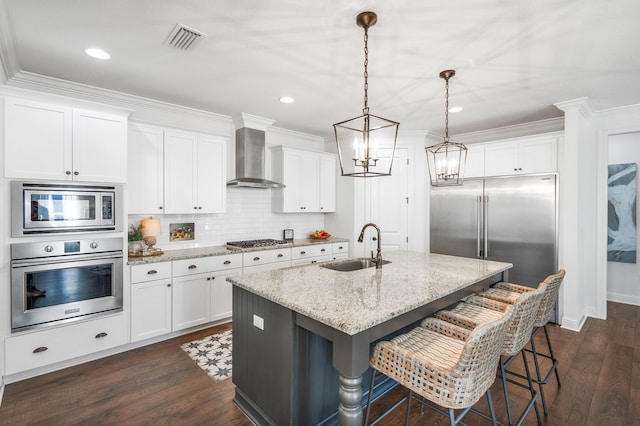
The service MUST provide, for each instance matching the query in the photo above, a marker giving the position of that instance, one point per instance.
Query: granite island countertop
(354, 301)
(192, 253)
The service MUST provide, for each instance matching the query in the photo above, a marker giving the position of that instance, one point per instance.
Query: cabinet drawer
(206, 264)
(150, 271)
(340, 248)
(311, 260)
(46, 347)
(265, 256)
(315, 250)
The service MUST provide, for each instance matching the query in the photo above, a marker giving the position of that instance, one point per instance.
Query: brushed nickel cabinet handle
(40, 349)
(101, 335)
(152, 271)
(192, 266)
(227, 262)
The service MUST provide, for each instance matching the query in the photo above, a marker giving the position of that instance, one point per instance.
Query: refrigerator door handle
(486, 227)
(479, 225)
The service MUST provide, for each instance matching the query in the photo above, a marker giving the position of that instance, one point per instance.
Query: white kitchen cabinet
(191, 304)
(150, 300)
(46, 141)
(194, 173)
(328, 183)
(311, 254)
(40, 348)
(474, 166)
(537, 154)
(340, 250)
(265, 260)
(222, 294)
(309, 179)
(146, 170)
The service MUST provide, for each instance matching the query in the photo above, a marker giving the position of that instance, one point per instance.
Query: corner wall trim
(573, 324)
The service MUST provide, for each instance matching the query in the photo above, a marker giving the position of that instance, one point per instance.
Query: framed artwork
(181, 231)
(621, 227)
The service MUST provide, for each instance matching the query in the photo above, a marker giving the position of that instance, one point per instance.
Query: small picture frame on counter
(287, 234)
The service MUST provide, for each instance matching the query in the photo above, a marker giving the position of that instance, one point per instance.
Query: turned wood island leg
(350, 409)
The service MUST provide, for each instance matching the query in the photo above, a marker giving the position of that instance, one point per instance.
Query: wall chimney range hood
(250, 153)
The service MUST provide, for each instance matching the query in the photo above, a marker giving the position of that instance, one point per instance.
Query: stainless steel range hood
(250, 154)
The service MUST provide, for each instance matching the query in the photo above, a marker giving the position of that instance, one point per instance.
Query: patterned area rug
(212, 354)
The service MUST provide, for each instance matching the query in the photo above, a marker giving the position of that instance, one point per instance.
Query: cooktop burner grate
(256, 243)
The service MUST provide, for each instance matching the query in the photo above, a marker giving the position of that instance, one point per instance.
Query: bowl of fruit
(320, 234)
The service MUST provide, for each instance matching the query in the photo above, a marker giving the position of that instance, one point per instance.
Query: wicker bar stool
(475, 311)
(508, 293)
(445, 364)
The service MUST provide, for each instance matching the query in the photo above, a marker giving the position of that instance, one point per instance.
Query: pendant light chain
(446, 110)
(365, 110)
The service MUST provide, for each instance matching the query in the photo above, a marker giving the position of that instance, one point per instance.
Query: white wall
(623, 279)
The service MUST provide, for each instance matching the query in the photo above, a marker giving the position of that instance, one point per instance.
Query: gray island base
(302, 335)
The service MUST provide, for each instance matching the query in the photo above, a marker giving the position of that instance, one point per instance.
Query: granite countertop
(355, 301)
(191, 253)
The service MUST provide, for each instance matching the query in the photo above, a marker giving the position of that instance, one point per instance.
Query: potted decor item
(136, 244)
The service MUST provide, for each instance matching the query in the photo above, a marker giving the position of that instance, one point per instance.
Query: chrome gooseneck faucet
(378, 258)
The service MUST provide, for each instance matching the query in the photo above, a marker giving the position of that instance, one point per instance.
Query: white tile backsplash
(248, 217)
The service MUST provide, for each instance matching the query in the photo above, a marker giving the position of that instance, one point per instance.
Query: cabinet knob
(192, 266)
(168, 285)
(195, 207)
(256, 258)
(40, 349)
(76, 173)
(515, 169)
(68, 172)
(280, 254)
(227, 262)
(340, 248)
(199, 207)
(101, 335)
(151, 272)
(303, 252)
(520, 168)
(160, 208)
(208, 278)
(323, 250)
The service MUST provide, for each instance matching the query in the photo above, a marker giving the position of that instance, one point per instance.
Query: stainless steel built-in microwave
(42, 208)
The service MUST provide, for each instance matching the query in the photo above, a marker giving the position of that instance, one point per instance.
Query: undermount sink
(352, 264)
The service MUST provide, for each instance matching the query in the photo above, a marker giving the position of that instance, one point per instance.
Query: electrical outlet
(258, 322)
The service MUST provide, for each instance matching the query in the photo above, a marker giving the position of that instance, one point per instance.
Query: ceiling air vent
(183, 37)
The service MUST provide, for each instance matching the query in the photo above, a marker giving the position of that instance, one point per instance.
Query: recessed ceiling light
(97, 53)
(287, 100)
(455, 109)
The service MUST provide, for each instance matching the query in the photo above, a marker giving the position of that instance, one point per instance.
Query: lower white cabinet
(191, 304)
(311, 254)
(38, 349)
(150, 309)
(340, 250)
(265, 260)
(222, 294)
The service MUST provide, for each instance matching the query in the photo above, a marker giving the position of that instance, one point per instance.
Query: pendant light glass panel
(359, 140)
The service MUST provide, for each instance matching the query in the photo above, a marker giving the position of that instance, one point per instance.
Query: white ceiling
(514, 58)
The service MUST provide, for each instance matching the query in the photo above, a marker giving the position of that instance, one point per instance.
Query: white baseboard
(573, 324)
(623, 298)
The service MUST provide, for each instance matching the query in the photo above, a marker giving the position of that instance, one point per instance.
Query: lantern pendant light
(359, 139)
(446, 160)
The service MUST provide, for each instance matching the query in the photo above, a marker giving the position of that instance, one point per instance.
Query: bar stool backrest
(551, 286)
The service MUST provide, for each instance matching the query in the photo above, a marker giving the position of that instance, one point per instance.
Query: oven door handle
(21, 263)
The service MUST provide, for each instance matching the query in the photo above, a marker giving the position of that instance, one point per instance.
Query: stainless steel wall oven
(61, 281)
(44, 208)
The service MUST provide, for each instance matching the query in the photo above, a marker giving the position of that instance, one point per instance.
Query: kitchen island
(302, 335)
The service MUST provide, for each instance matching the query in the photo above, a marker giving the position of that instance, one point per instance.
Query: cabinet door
(38, 139)
(179, 178)
(327, 183)
(310, 182)
(501, 159)
(150, 309)
(291, 170)
(475, 162)
(191, 301)
(145, 170)
(99, 147)
(222, 294)
(538, 156)
(211, 175)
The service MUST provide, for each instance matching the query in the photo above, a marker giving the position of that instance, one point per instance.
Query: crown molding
(583, 105)
(508, 132)
(8, 52)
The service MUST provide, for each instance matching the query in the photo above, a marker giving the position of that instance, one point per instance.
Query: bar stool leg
(533, 391)
(494, 421)
(503, 374)
(553, 358)
(406, 422)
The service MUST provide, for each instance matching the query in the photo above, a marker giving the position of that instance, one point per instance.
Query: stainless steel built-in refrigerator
(511, 219)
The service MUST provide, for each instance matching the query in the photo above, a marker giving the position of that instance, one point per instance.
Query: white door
(389, 202)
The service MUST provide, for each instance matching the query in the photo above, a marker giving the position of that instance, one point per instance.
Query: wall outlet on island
(258, 322)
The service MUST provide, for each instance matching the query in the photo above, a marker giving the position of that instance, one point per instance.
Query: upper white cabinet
(474, 166)
(537, 154)
(309, 178)
(46, 141)
(146, 170)
(194, 173)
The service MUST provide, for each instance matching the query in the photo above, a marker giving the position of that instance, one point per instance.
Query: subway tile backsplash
(248, 217)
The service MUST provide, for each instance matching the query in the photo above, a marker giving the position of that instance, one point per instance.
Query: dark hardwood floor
(160, 385)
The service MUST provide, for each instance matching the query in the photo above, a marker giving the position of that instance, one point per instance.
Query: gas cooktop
(256, 243)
